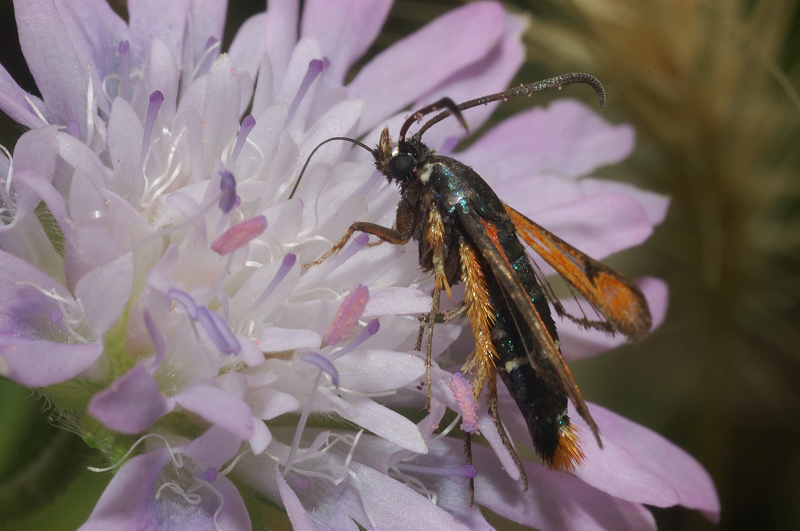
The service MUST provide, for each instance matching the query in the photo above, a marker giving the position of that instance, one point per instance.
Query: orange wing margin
(614, 296)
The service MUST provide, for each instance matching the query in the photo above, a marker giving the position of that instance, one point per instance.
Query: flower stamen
(315, 68)
(156, 99)
(288, 261)
(124, 49)
(248, 123)
(204, 64)
(370, 330)
(349, 312)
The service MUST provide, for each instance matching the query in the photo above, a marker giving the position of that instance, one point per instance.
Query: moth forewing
(614, 296)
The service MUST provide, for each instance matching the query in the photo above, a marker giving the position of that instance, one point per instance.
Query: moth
(467, 234)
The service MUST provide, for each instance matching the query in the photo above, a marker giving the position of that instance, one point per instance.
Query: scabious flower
(165, 285)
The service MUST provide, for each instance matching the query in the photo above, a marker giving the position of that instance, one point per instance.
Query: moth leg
(468, 457)
(384, 233)
(457, 311)
(492, 398)
(436, 295)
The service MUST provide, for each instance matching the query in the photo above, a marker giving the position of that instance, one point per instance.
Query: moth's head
(399, 163)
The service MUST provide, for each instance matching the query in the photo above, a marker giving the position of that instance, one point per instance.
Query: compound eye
(401, 165)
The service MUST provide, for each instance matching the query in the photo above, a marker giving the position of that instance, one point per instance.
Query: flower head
(175, 283)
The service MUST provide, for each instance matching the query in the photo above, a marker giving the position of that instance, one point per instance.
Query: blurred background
(712, 89)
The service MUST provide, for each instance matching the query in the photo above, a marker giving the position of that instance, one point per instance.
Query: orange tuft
(568, 453)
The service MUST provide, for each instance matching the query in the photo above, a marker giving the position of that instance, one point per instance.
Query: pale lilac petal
(396, 300)
(35, 152)
(251, 353)
(268, 403)
(207, 19)
(156, 337)
(396, 77)
(234, 516)
(28, 241)
(630, 453)
(124, 503)
(95, 31)
(568, 138)
(213, 448)
(357, 370)
(384, 422)
(105, 291)
(219, 407)
(390, 502)
(14, 102)
(281, 34)
(87, 164)
(491, 74)
(654, 205)
(248, 50)
(488, 429)
(53, 61)
(161, 75)
(344, 30)
(598, 226)
(261, 438)
(221, 108)
(125, 133)
(153, 18)
(554, 501)
(301, 521)
(274, 339)
(131, 404)
(41, 363)
(578, 343)
(43, 187)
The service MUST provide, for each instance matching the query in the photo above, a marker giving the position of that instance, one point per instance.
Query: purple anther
(238, 235)
(370, 330)
(376, 177)
(300, 482)
(323, 364)
(156, 99)
(358, 243)
(185, 300)
(349, 313)
(56, 316)
(288, 261)
(210, 474)
(462, 392)
(125, 69)
(157, 337)
(227, 185)
(218, 331)
(247, 125)
(315, 68)
(208, 57)
(73, 129)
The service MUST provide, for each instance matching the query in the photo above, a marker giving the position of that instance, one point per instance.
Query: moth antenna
(538, 86)
(346, 139)
(444, 103)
